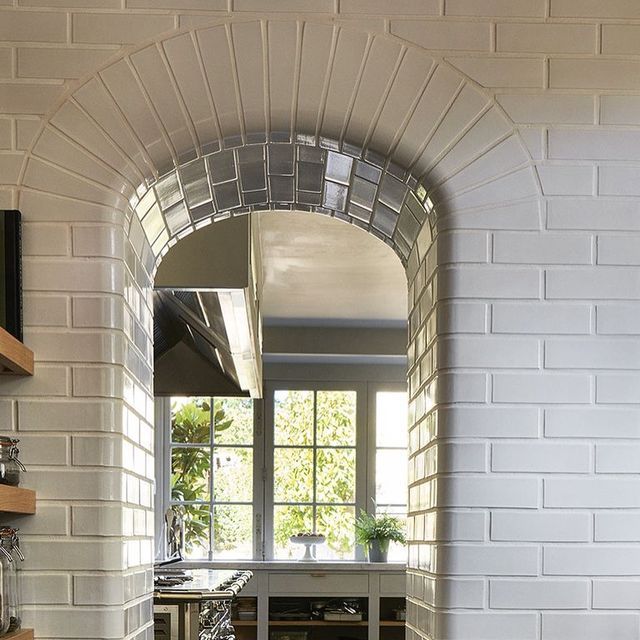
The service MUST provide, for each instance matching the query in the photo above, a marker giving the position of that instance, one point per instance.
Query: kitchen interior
(281, 412)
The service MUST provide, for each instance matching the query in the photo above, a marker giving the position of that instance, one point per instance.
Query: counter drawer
(393, 583)
(318, 582)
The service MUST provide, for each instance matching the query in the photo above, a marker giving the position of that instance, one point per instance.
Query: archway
(386, 103)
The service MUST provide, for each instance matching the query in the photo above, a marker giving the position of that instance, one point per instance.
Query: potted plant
(375, 533)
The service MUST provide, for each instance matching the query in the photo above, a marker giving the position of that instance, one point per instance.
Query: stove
(195, 604)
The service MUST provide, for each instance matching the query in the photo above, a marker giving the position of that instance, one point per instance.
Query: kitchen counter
(200, 584)
(293, 565)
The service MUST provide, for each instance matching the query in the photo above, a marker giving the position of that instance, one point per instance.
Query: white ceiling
(317, 268)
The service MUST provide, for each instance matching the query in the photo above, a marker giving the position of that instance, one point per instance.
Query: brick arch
(242, 82)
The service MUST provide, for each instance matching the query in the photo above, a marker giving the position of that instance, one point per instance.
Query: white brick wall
(534, 425)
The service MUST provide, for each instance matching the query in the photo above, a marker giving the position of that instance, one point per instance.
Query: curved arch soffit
(191, 99)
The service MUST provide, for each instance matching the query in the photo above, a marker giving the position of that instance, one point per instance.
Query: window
(314, 469)
(212, 475)
(246, 483)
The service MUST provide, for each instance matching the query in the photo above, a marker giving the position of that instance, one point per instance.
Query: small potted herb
(375, 533)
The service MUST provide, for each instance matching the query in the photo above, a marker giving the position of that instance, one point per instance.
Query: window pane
(391, 419)
(196, 529)
(233, 420)
(336, 475)
(336, 419)
(232, 474)
(288, 521)
(190, 468)
(337, 524)
(190, 420)
(391, 476)
(232, 531)
(293, 417)
(293, 475)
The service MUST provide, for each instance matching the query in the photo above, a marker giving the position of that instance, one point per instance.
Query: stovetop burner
(171, 579)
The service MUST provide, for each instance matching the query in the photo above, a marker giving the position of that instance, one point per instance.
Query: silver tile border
(322, 176)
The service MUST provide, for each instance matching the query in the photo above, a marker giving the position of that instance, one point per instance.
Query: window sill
(293, 565)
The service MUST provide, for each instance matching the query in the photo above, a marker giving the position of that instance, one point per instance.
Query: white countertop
(292, 565)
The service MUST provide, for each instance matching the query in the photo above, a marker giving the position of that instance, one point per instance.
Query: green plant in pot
(375, 533)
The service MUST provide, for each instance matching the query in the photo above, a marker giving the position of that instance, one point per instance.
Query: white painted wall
(524, 115)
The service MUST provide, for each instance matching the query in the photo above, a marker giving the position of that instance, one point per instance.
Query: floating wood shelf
(15, 358)
(317, 623)
(17, 500)
(23, 634)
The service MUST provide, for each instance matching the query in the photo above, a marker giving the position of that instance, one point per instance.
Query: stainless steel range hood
(207, 328)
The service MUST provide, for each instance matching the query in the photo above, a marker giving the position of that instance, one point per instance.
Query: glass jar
(10, 466)
(10, 557)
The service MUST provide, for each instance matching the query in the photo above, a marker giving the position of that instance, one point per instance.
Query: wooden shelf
(23, 634)
(244, 623)
(15, 358)
(17, 500)
(392, 623)
(316, 623)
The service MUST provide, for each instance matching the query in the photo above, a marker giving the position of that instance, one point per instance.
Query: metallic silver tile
(335, 196)
(226, 195)
(338, 167)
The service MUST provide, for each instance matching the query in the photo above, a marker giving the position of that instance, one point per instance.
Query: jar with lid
(10, 558)
(10, 465)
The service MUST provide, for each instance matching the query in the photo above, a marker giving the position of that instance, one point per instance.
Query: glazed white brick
(118, 29)
(540, 457)
(488, 352)
(614, 526)
(45, 588)
(67, 416)
(598, 353)
(592, 423)
(52, 520)
(622, 388)
(70, 484)
(435, 34)
(594, 9)
(519, 216)
(594, 560)
(44, 450)
(19, 26)
(539, 594)
(554, 318)
(10, 164)
(591, 73)
(454, 593)
(59, 63)
(96, 240)
(489, 282)
(73, 275)
(450, 526)
(462, 317)
(603, 493)
(104, 520)
(502, 72)
(99, 451)
(70, 554)
(76, 346)
(619, 109)
(590, 626)
(462, 246)
(478, 491)
(594, 213)
(602, 283)
(540, 526)
(618, 458)
(547, 109)
(494, 560)
(488, 422)
(458, 387)
(497, 626)
(594, 144)
(495, 8)
(620, 39)
(46, 381)
(46, 240)
(542, 248)
(460, 457)
(104, 382)
(28, 99)
(544, 388)
(77, 622)
(102, 589)
(618, 181)
(616, 594)
(618, 250)
(98, 312)
(7, 415)
(566, 180)
(546, 38)
(46, 311)
(408, 7)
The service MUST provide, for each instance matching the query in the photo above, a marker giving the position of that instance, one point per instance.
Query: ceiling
(319, 270)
